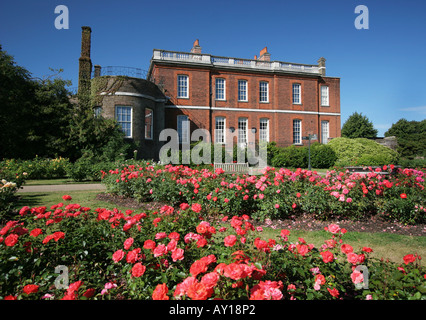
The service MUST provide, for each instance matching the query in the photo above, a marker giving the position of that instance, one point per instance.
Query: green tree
(411, 137)
(358, 126)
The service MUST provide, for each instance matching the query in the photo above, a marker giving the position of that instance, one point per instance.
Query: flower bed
(177, 253)
(279, 193)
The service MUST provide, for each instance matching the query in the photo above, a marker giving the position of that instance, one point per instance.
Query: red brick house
(280, 101)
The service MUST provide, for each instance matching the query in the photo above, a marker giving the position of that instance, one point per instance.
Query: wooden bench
(233, 167)
(365, 170)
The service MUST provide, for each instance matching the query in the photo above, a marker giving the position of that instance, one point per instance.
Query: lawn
(389, 246)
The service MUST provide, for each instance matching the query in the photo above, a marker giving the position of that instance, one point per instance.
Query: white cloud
(421, 109)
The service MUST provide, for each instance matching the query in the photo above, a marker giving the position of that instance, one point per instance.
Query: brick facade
(202, 107)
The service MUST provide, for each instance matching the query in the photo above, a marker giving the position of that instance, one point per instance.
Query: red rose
(128, 243)
(11, 240)
(403, 196)
(36, 232)
(138, 270)
(230, 240)
(346, 248)
(196, 207)
(199, 266)
(66, 197)
(327, 256)
(118, 255)
(89, 293)
(409, 258)
(149, 244)
(334, 292)
(160, 292)
(30, 288)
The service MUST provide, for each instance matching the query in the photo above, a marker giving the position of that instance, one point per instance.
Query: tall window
(324, 96)
(297, 98)
(242, 90)
(182, 86)
(219, 133)
(148, 123)
(263, 91)
(325, 130)
(297, 131)
(220, 89)
(123, 115)
(242, 131)
(183, 128)
(264, 130)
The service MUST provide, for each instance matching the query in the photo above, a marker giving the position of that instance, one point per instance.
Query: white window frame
(264, 129)
(297, 131)
(183, 138)
(325, 131)
(264, 91)
(297, 96)
(242, 132)
(118, 116)
(325, 98)
(220, 84)
(242, 90)
(220, 130)
(151, 132)
(183, 86)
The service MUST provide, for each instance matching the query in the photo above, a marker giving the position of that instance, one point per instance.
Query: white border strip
(253, 110)
(132, 94)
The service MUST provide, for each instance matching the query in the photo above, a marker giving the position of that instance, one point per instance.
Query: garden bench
(233, 167)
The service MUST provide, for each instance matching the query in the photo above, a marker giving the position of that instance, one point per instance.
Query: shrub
(361, 151)
(291, 157)
(322, 156)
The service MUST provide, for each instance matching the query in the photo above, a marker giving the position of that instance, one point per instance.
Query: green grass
(389, 246)
(54, 182)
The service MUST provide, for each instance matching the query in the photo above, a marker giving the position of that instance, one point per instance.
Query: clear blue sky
(382, 69)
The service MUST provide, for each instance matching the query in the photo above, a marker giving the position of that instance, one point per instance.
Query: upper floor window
(297, 97)
(148, 124)
(297, 131)
(183, 128)
(324, 96)
(220, 89)
(182, 89)
(263, 91)
(219, 133)
(242, 90)
(123, 115)
(264, 130)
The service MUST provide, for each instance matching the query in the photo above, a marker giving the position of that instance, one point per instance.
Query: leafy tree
(358, 126)
(411, 137)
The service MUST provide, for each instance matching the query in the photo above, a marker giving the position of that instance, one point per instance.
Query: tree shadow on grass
(30, 200)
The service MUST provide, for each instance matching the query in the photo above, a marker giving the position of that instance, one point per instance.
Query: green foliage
(411, 137)
(322, 156)
(291, 157)
(361, 152)
(358, 126)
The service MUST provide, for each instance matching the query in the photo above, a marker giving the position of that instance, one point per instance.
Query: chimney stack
(264, 55)
(85, 63)
(196, 47)
(97, 72)
(321, 66)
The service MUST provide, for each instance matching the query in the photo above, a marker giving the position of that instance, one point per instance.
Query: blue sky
(382, 69)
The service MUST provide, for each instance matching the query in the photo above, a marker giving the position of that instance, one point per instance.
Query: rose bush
(279, 193)
(181, 252)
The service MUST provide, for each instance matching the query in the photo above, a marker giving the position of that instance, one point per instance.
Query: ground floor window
(183, 128)
(220, 130)
(324, 131)
(297, 131)
(123, 115)
(264, 130)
